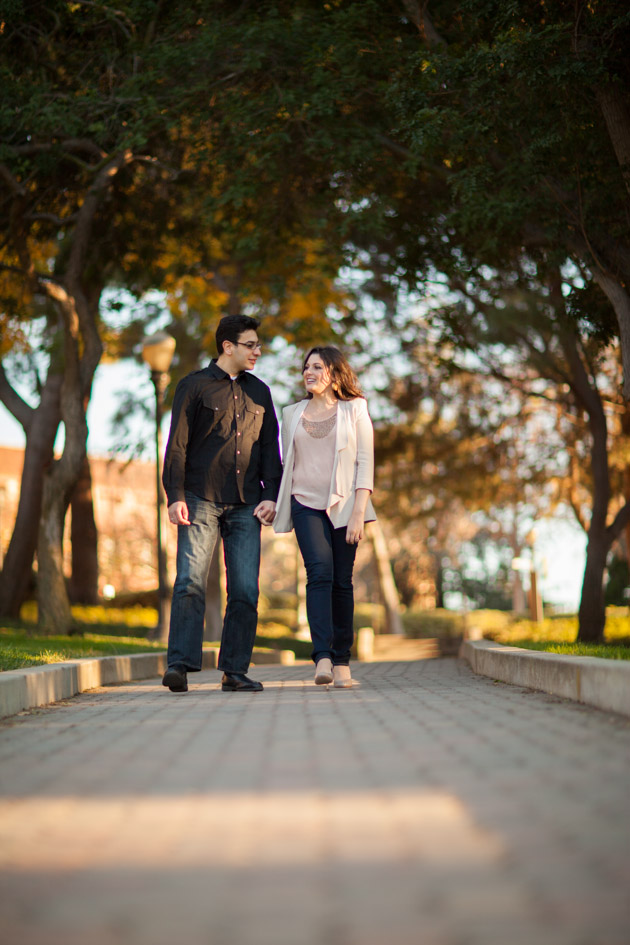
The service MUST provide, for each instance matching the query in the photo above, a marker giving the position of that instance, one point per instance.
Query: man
(221, 475)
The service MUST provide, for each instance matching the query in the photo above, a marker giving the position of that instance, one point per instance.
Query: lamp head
(158, 351)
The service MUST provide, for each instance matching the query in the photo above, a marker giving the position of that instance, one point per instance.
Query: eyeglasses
(252, 345)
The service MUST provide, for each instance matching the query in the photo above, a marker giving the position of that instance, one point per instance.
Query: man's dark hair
(231, 327)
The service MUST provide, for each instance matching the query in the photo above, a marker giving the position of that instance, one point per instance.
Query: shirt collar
(218, 372)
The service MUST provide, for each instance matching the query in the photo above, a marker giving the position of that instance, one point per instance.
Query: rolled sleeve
(365, 448)
(284, 434)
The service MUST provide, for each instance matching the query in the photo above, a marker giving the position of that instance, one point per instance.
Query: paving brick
(428, 805)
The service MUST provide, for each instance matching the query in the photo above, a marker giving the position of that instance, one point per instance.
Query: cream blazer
(353, 466)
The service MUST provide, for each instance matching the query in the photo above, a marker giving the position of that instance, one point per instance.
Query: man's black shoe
(175, 679)
(239, 682)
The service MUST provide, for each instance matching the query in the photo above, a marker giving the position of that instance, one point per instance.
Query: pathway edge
(36, 686)
(591, 680)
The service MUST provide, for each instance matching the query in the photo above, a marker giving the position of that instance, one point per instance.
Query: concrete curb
(602, 683)
(39, 685)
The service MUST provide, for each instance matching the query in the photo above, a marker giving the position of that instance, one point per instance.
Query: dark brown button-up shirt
(223, 443)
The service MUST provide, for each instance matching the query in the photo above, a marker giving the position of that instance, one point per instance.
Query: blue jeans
(329, 562)
(240, 532)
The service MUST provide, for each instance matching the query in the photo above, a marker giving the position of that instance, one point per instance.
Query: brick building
(124, 509)
(125, 514)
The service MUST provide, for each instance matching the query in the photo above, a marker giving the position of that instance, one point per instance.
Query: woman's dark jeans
(240, 532)
(329, 561)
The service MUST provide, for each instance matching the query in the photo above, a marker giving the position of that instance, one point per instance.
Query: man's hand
(265, 512)
(178, 513)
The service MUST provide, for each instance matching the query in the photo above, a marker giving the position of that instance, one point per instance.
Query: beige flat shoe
(323, 672)
(342, 677)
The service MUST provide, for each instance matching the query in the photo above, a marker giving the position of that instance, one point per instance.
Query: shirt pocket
(215, 416)
(254, 415)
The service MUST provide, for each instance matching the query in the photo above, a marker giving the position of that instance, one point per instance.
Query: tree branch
(417, 12)
(72, 145)
(117, 15)
(86, 214)
(621, 519)
(22, 412)
(611, 100)
(6, 175)
(51, 218)
(40, 278)
(573, 499)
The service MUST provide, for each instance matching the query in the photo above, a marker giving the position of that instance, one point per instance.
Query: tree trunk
(611, 100)
(77, 300)
(619, 298)
(387, 585)
(54, 615)
(84, 581)
(52, 597)
(38, 454)
(592, 612)
(439, 580)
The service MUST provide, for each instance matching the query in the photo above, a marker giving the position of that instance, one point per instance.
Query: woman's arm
(365, 447)
(365, 474)
(284, 429)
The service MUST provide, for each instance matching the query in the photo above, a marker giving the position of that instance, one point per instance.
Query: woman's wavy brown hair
(345, 382)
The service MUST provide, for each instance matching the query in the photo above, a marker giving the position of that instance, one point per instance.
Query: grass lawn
(558, 634)
(608, 651)
(19, 648)
(107, 631)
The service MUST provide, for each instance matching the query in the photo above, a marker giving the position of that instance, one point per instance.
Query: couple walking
(223, 478)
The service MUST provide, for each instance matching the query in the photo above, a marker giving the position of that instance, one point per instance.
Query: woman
(328, 455)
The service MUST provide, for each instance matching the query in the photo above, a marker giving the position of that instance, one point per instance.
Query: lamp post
(157, 352)
(528, 565)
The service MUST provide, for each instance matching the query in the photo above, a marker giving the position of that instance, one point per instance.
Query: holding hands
(265, 512)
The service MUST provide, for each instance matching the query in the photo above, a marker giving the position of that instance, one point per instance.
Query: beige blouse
(353, 464)
(314, 446)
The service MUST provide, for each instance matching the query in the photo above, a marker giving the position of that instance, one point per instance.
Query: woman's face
(316, 376)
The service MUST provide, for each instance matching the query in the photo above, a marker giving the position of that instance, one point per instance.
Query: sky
(560, 544)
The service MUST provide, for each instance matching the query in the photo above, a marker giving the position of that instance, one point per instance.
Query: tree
(456, 460)
(526, 331)
(84, 581)
(91, 109)
(62, 150)
(527, 108)
(411, 145)
(40, 426)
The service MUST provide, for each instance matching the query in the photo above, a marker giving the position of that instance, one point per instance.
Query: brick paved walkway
(428, 806)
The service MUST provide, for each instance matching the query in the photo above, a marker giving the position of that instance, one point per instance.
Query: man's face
(243, 354)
